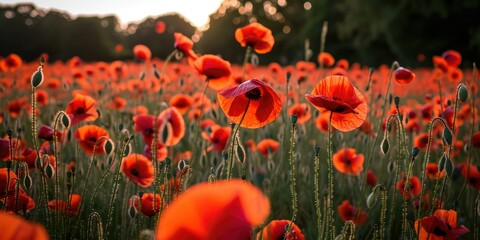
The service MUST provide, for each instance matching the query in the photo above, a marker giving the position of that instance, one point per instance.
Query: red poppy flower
(337, 95)
(15, 106)
(88, 135)
(321, 122)
(473, 175)
(268, 146)
(414, 189)
(302, 112)
(160, 27)
(253, 100)
(171, 126)
(162, 151)
(63, 207)
(421, 141)
(10, 63)
(139, 169)
(182, 102)
(452, 57)
(349, 212)
(348, 162)
(184, 45)
(29, 156)
(146, 204)
(217, 71)
(404, 76)
(4, 149)
(46, 133)
(256, 36)
(476, 140)
(15, 227)
(144, 124)
(440, 63)
(441, 225)
(276, 230)
(235, 207)
(142, 53)
(18, 203)
(342, 63)
(371, 178)
(117, 103)
(81, 108)
(42, 97)
(325, 59)
(432, 171)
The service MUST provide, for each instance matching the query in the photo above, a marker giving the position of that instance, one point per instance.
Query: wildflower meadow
(194, 147)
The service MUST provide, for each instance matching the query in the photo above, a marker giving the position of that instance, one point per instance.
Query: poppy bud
(462, 93)
(37, 77)
(415, 152)
(181, 165)
(449, 167)
(49, 171)
(108, 146)
(391, 166)
(66, 120)
(441, 163)
(132, 212)
(10, 133)
(317, 150)
(372, 199)
(294, 119)
(127, 150)
(384, 146)
(9, 164)
(396, 101)
(27, 181)
(142, 76)
(447, 135)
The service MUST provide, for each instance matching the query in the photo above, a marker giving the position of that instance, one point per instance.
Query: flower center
(253, 94)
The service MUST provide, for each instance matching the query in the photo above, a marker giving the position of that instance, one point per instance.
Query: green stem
(233, 143)
(317, 193)
(330, 218)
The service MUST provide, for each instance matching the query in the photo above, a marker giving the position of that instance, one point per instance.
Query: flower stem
(233, 139)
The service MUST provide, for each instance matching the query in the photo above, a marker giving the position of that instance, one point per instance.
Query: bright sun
(197, 11)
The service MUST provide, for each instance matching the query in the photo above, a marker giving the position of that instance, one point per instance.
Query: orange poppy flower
(325, 59)
(142, 53)
(10, 63)
(337, 95)
(14, 227)
(301, 110)
(139, 169)
(342, 63)
(217, 71)
(276, 230)
(403, 76)
(432, 171)
(15, 106)
(251, 145)
(185, 45)
(268, 146)
(81, 108)
(414, 189)
(146, 204)
(421, 141)
(348, 162)
(253, 100)
(20, 203)
(42, 97)
(171, 126)
(63, 207)
(182, 102)
(235, 207)
(144, 124)
(256, 36)
(441, 225)
(321, 122)
(440, 63)
(452, 57)
(4, 180)
(29, 156)
(454, 75)
(117, 103)
(349, 212)
(88, 135)
(218, 138)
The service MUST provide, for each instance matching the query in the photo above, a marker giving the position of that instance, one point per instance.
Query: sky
(196, 11)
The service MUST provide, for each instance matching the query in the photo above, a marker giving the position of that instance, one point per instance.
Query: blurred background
(370, 32)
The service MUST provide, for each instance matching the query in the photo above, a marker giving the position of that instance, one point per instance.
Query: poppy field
(194, 147)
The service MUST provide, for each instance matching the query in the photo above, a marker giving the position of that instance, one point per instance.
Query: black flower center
(79, 111)
(253, 94)
(439, 232)
(135, 172)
